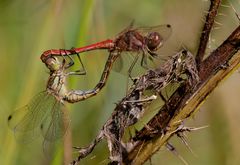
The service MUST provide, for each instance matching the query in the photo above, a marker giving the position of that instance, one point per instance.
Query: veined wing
(129, 27)
(126, 59)
(54, 127)
(26, 121)
(164, 30)
(56, 123)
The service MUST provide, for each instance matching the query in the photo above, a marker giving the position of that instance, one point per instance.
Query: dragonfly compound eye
(154, 41)
(53, 63)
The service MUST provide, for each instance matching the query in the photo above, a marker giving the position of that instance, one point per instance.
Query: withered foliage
(179, 68)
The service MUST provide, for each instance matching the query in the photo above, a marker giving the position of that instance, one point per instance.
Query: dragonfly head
(53, 64)
(154, 41)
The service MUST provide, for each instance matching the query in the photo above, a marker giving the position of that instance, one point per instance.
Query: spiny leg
(131, 67)
(130, 71)
(85, 151)
(80, 60)
(80, 71)
(152, 53)
(71, 63)
(144, 62)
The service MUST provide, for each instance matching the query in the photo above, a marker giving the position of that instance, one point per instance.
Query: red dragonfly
(144, 40)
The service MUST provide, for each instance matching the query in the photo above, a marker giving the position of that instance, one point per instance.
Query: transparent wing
(129, 27)
(56, 123)
(126, 59)
(53, 128)
(26, 121)
(118, 64)
(164, 30)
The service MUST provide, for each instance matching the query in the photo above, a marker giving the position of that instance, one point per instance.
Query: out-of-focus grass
(27, 28)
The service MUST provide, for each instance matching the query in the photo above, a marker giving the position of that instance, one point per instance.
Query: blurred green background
(27, 28)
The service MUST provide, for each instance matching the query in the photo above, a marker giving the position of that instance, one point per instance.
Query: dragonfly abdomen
(78, 95)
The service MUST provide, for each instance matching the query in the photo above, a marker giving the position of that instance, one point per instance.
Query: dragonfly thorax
(56, 85)
(129, 41)
(57, 79)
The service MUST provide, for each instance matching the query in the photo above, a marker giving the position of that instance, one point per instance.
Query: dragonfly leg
(71, 63)
(85, 151)
(130, 72)
(80, 60)
(145, 57)
(152, 53)
(144, 62)
(80, 71)
(131, 67)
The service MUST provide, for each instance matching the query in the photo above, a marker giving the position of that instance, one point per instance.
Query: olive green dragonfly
(44, 113)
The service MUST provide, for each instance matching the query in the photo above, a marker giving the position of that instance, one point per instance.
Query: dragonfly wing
(118, 64)
(56, 123)
(129, 27)
(164, 30)
(126, 60)
(25, 121)
(54, 127)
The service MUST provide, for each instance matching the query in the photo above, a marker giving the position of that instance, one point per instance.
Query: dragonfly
(142, 40)
(44, 113)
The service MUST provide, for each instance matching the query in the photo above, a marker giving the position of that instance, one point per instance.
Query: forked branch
(184, 102)
(194, 87)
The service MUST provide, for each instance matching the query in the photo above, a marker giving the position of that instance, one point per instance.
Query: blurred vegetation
(27, 28)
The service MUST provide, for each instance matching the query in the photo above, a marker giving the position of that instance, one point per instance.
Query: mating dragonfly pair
(44, 113)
